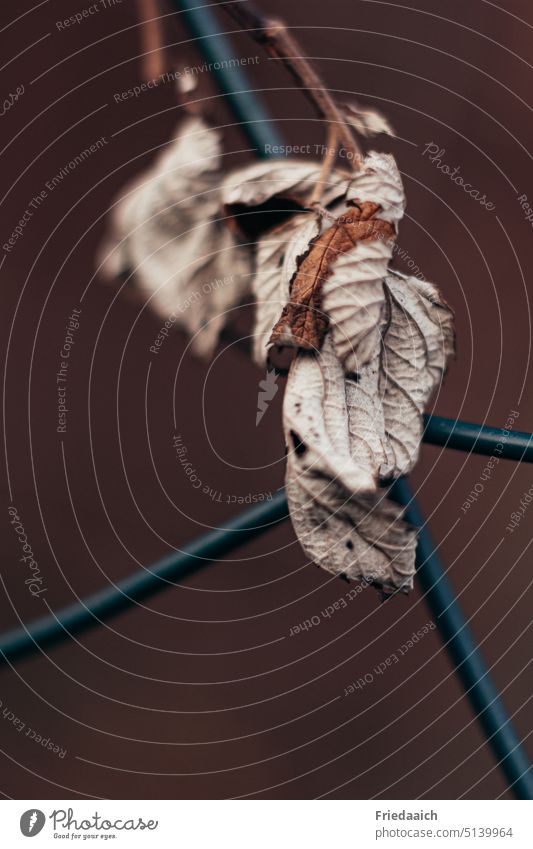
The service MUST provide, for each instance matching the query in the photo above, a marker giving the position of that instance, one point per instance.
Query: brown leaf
(276, 256)
(303, 322)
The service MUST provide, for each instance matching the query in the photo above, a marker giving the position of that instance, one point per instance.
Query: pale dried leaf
(287, 179)
(379, 181)
(344, 523)
(167, 235)
(413, 347)
(367, 122)
(419, 341)
(345, 435)
(316, 418)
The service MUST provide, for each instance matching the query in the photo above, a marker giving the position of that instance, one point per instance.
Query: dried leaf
(367, 122)
(290, 180)
(167, 234)
(276, 255)
(413, 347)
(343, 522)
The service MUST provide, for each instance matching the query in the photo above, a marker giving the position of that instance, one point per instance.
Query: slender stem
(274, 36)
(332, 145)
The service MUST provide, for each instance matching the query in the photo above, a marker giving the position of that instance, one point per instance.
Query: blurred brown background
(200, 692)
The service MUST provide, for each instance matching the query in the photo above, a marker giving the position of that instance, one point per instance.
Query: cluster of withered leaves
(371, 344)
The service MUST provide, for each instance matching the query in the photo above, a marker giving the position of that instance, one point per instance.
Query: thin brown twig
(153, 53)
(332, 146)
(274, 36)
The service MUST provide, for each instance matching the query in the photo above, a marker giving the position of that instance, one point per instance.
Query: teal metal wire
(95, 609)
